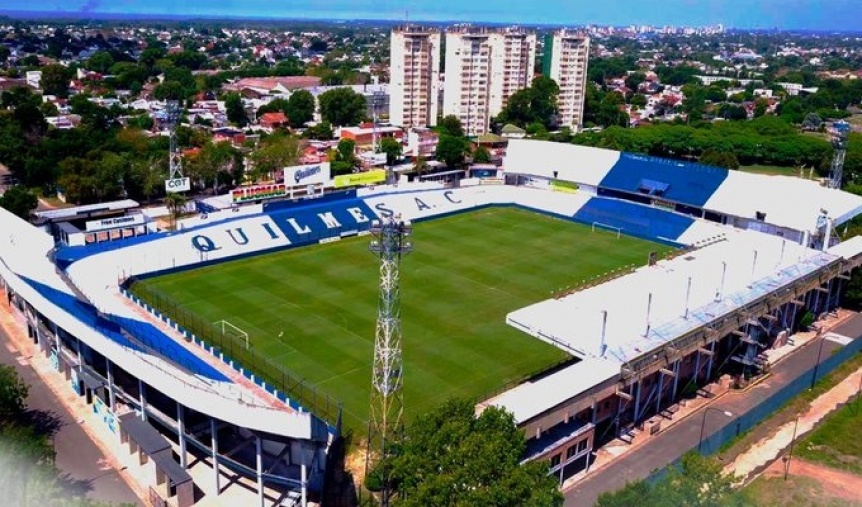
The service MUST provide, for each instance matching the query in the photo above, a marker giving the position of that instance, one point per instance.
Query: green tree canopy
(274, 153)
(20, 202)
(452, 457)
(536, 103)
(55, 80)
(451, 126)
(697, 482)
(342, 106)
(13, 392)
(392, 148)
(724, 159)
(235, 110)
(300, 108)
(481, 155)
(451, 150)
(100, 62)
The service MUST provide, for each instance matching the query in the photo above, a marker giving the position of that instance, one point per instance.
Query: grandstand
(746, 271)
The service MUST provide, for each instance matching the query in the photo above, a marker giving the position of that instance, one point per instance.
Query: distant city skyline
(784, 14)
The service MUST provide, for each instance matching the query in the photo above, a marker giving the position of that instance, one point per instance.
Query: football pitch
(313, 309)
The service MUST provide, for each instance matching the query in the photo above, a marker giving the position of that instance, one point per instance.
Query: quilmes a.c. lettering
(305, 173)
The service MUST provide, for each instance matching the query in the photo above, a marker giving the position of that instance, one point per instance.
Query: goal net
(605, 227)
(226, 329)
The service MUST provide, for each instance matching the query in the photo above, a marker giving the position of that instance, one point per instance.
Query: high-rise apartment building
(565, 61)
(414, 76)
(484, 67)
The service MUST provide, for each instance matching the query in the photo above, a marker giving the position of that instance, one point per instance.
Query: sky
(785, 14)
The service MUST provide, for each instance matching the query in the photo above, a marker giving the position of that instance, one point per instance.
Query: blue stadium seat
(681, 182)
(634, 219)
(147, 338)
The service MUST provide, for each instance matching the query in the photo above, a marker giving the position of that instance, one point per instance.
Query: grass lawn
(836, 442)
(796, 490)
(771, 170)
(466, 273)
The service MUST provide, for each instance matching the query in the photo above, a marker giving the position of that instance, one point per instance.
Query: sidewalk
(685, 408)
(620, 462)
(751, 463)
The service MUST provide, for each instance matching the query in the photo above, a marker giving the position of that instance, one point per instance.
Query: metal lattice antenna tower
(172, 116)
(386, 420)
(839, 142)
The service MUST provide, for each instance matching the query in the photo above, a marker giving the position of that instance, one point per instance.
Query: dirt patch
(834, 483)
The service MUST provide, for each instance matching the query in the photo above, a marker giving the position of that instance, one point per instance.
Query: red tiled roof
(273, 118)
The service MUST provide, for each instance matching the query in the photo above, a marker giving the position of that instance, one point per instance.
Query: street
(84, 468)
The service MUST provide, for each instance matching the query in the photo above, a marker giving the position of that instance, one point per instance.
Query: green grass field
(772, 170)
(836, 441)
(466, 273)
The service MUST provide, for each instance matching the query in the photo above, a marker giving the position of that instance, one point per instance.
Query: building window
(582, 445)
(555, 460)
(571, 452)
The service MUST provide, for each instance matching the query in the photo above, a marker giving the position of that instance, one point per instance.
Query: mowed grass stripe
(466, 273)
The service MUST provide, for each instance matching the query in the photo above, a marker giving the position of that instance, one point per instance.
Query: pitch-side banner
(302, 175)
(364, 178)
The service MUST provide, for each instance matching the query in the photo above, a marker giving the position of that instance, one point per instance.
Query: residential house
(272, 121)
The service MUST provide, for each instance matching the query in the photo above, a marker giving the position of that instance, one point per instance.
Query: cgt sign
(178, 185)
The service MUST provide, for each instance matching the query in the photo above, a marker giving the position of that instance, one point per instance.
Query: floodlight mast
(840, 130)
(386, 416)
(172, 116)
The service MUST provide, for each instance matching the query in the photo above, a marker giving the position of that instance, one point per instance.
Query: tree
(481, 155)
(55, 80)
(322, 131)
(235, 110)
(300, 108)
(175, 203)
(169, 90)
(13, 393)
(724, 159)
(811, 122)
(100, 62)
(451, 126)
(760, 107)
(392, 148)
(275, 152)
(638, 100)
(697, 481)
(452, 457)
(342, 106)
(420, 165)
(20, 202)
(634, 80)
(451, 150)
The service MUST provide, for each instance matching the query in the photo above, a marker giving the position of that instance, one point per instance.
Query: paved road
(81, 463)
(668, 446)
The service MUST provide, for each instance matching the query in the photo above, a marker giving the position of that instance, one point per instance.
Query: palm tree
(175, 203)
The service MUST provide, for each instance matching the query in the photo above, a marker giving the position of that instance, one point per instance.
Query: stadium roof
(786, 202)
(85, 211)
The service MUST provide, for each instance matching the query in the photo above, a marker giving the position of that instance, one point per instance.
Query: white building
(484, 67)
(34, 78)
(414, 76)
(565, 61)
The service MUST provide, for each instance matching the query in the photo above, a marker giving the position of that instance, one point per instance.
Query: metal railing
(293, 386)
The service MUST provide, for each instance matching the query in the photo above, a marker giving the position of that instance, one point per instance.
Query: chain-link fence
(298, 390)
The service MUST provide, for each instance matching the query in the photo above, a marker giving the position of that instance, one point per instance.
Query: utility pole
(386, 420)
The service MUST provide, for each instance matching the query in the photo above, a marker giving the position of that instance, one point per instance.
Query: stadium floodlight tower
(175, 163)
(840, 130)
(386, 420)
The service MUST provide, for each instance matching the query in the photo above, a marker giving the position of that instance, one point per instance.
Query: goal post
(226, 328)
(605, 227)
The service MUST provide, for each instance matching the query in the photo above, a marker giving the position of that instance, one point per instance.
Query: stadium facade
(755, 253)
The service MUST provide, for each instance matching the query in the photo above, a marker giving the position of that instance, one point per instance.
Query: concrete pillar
(595, 414)
(80, 360)
(214, 434)
(709, 363)
(697, 367)
(676, 368)
(303, 471)
(142, 390)
(637, 402)
(181, 433)
(259, 452)
(111, 398)
(658, 393)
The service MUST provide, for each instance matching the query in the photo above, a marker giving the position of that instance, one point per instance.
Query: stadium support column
(709, 362)
(385, 423)
(214, 445)
(181, 431)
(637, 402)
(111, 397)
(142, 392)
(258, 448)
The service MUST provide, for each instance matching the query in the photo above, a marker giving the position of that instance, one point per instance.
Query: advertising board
(364, 178)
(304, 175)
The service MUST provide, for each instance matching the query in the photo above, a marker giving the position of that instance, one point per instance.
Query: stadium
(581, 289)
